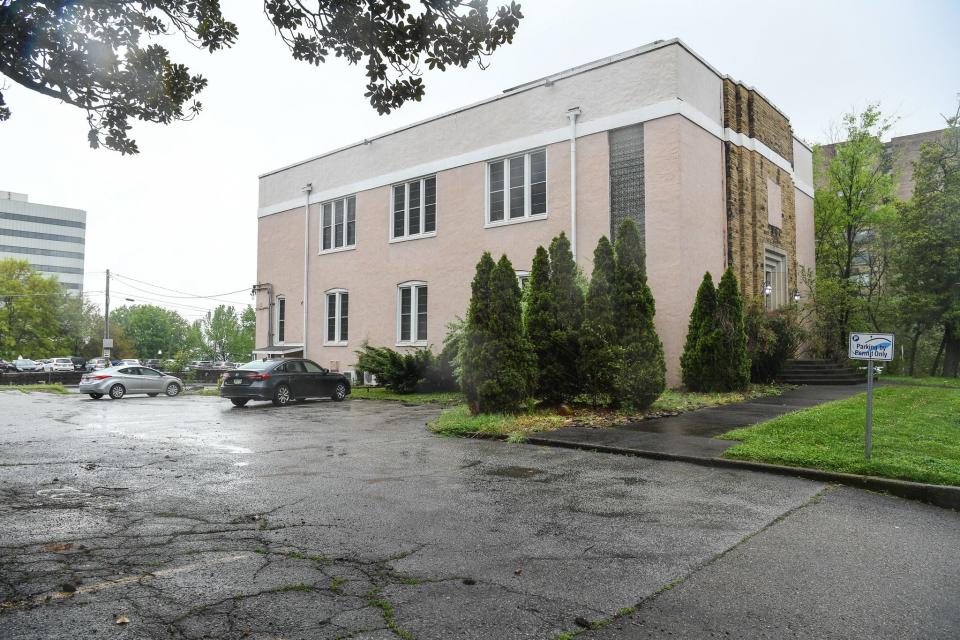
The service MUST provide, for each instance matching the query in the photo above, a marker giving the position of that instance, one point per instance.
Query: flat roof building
(50, 238)
(706, 166)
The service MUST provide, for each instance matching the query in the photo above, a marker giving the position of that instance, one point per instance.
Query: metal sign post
(870, 347)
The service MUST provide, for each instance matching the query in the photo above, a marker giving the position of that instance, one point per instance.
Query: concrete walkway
(692, 433)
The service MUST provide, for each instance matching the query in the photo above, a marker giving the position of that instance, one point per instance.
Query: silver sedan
(118, 381)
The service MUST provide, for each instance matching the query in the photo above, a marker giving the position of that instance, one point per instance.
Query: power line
(137, 296)
(165, 296)
(185, 294)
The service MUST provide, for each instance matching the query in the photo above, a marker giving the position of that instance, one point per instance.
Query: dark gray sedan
(122, 380)
(282, 381)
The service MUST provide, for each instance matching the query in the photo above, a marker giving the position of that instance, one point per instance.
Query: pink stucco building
(378, 241)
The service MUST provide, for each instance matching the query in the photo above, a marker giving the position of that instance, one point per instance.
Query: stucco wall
(280, 263)
(806, 251)
(446, 262)
(685, 224)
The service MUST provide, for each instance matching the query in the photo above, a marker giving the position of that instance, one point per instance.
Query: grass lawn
(457, 420)
(28, 388)
(380, 393)
(916, 436)
(932, 381)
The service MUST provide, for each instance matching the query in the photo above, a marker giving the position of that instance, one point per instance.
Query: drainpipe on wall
(307, 188)
(572, 114)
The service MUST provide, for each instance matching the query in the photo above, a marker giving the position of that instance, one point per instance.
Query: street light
(796, 295)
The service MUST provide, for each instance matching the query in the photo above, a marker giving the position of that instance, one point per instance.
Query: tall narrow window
(412, 313)
(517, 187)
(338, 224)
(496, 191)
(327, 226)
(281, 318)
(414, 208)
(336, 315)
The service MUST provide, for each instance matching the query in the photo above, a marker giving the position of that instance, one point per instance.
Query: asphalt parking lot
(187, 518)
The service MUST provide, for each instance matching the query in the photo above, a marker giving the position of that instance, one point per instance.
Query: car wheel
(153, 395)
(117, 391)
(173, 389)
(340, 392)
(96, 396)
(281, 396)
(239, 402)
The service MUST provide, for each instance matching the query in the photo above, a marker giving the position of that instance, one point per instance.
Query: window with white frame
(337, 314)
(414, 208)
(517, 187)
(412, 313)
(338, 224)
(281, 318)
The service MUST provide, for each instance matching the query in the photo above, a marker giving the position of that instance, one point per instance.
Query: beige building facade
(378, 241)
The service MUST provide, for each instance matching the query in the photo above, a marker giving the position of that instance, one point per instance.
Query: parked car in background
(282, 381)
(59, 364)
(97, 363)
(25, 364)
(224, 364)
(123, 380)
(46, 364)
(130, 361)
(79, 364)
(6, 366)
(201, 364)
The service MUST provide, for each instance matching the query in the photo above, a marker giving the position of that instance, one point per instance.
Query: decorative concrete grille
(626, 178)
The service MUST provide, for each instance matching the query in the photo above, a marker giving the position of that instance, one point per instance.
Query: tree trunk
(913, 351)
(936, 360)
(951, 352)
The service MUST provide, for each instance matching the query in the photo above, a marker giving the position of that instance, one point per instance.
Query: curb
(943, 496)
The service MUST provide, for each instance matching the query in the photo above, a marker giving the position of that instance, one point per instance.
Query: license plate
(236, 381)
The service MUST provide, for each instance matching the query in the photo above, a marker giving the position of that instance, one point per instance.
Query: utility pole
(106, 319)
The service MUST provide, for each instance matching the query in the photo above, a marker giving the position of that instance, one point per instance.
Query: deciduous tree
(928, 256)
(102, 56)
(853, 215)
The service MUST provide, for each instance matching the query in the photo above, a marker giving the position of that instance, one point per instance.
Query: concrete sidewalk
(692, 433)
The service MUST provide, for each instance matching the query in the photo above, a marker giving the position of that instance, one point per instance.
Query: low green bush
(398, 372)
(772, 338)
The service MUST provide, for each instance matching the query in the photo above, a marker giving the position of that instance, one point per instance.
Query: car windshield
(63, 361)
(256, 365)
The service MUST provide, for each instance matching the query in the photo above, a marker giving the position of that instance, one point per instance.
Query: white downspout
(306, 263)
(572, 114)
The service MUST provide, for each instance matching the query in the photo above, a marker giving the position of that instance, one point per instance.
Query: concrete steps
(820, 372)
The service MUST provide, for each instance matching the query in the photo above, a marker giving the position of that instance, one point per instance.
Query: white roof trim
(644, 114)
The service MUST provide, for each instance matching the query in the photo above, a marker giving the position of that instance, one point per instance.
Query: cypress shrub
(695, 361)
(540, 316)
(498, 366)
(599, 345)
(642, 376)
(476, 358)
(731, 371)
(560, 377)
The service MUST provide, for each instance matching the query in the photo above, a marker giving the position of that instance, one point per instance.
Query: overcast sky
(182, 214)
